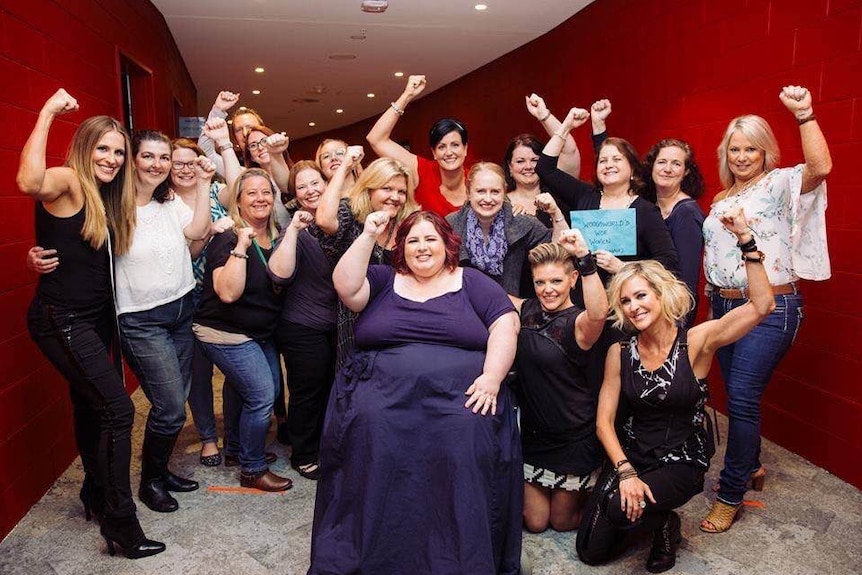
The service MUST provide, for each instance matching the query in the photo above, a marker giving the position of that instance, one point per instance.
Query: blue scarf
(486, 256)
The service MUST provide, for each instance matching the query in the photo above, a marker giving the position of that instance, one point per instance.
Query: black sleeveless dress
(664, 409)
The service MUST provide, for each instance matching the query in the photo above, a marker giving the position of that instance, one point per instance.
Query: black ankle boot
(93, 499)
(127, 533)
(662, 556)
(154, 465)
(176, 483)
(154, 495)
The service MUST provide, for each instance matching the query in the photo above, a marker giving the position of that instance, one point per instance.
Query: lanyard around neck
(259, 251)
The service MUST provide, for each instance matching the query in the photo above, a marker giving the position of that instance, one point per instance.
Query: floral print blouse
(789, 227)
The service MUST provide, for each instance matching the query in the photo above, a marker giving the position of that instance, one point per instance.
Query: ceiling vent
(374, 6)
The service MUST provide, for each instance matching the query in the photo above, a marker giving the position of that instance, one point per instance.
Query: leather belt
(743, 293)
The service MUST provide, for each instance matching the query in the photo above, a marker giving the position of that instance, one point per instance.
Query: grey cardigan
(523, 233)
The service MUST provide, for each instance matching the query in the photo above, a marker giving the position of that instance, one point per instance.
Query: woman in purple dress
(420, 455)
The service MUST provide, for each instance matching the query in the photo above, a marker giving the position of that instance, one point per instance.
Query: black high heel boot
(665, 540)
(154, 464)
(93, 499)
(127, 533)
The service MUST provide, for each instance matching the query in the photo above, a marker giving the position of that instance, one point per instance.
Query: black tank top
(82, 280)
(666, 419)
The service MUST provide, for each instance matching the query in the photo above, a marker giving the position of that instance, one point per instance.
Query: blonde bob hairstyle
(486, 167)
(106, 205)
(550, 253)
(233, 201)
(375, 176)
(673, 295)
(757, 130)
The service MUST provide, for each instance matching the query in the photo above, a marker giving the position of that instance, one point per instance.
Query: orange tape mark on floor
(247, 490)
(752, 503)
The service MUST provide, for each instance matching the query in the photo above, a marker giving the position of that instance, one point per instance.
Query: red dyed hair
(451, 240)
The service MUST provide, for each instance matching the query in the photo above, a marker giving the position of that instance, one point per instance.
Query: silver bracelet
(398, 110)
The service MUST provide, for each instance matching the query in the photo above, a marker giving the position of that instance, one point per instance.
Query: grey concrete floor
(805, 522)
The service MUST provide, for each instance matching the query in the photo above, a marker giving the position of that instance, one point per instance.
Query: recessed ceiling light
(339, 111)
(370, 95)
(481, 7)
(243, 108)
(312, 124)
(255, 92)
(230, 121)
(374, 6)
(259, 70)
(399, 74)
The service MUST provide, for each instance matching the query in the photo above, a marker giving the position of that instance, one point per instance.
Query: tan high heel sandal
(720, 517)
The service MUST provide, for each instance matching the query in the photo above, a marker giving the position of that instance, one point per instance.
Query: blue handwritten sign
(611, 230)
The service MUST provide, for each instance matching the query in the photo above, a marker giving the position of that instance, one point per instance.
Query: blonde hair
(324, 143)
(106, 205)
(233, 201)
(550, 253)
(485, 167)
(374, 177)
(673, 295)
(757, 130)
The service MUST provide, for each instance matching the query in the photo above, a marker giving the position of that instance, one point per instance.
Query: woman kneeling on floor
(657, 379)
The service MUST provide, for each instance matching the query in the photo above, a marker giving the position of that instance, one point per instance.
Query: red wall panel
(685, 68)
(45, 45)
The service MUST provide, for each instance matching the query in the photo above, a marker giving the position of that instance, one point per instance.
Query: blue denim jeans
(252, 375)
(746, 367)
(201, 395)
(158, 345)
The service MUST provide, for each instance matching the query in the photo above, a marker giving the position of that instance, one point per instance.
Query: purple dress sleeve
(488, 298)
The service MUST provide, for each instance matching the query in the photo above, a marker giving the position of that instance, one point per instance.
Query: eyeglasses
(255, 146)
(180, 165)
(339, 153)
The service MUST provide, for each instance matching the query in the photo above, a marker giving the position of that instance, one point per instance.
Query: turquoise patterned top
(217, 211)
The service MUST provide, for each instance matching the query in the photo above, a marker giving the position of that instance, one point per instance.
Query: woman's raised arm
(570, 156)
(34, 179)
(326, 215)
(818, 161)
(349, 275)
(380, 135)
(707, 337)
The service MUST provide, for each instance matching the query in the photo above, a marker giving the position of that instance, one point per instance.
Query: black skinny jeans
(604, 524)
(309, 355)
(77, 343)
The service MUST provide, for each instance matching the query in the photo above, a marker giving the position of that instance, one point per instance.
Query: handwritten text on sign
(611, 230)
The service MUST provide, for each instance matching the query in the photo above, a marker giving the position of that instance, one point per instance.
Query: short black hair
(442, 127)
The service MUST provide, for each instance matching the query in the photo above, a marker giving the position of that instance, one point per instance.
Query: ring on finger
(642, 503)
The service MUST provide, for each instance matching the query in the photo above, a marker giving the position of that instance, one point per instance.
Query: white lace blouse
(789, 226)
